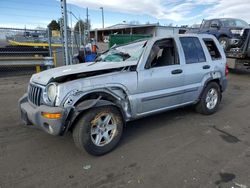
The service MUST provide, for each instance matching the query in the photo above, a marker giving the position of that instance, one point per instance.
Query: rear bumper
(32, 115)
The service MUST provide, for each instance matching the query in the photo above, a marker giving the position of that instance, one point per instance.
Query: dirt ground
(174, 149)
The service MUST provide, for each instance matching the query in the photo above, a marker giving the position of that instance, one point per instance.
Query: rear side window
(193, 50)
(212, 48)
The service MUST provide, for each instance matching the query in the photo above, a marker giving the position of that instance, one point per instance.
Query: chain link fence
(26, 51)
(74, 43)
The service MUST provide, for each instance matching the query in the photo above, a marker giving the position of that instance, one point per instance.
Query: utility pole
(87, 26)
(102, 17)
(64, 31)
(49, 41)
(71, 37)
(80, 32)
(87, 15)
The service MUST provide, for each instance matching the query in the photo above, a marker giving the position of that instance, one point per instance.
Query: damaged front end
(60, 95)
(79, 102)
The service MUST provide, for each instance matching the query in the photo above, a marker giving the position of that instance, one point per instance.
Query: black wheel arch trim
(217, 80)
(88, 104)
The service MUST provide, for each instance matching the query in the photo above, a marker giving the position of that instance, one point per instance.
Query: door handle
(177, 71)
(206, 67)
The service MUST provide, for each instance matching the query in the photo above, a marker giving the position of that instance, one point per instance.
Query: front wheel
(210, 99)
(99, 130)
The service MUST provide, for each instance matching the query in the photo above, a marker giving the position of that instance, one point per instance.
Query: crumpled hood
(44, 77)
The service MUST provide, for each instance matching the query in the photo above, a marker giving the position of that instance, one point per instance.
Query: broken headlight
(50, 94)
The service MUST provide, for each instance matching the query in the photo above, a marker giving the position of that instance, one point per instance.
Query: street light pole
(102, 17)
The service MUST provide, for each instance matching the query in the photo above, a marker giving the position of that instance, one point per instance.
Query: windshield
(129, 52)
(234, 23)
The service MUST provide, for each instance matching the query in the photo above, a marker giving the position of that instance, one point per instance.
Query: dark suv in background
(230, 32)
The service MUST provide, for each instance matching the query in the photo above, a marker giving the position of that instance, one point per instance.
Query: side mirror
(215, 26)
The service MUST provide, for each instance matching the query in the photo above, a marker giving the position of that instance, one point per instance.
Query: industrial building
(101, 35)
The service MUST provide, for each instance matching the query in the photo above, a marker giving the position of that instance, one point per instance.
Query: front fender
(85, 105)
(88, 104)
(74, 96)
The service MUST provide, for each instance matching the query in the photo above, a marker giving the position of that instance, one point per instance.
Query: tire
(99, 130)
(207, 97)
(224, 41)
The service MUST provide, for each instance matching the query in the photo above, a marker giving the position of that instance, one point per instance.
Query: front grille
(34, 94)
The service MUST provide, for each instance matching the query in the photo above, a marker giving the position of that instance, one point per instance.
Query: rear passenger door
(195, 68)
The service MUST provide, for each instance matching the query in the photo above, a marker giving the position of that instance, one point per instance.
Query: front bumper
(32, 115)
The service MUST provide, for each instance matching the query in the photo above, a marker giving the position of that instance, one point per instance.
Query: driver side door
(161, 83)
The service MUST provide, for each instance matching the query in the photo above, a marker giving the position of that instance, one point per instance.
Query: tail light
(226, 70)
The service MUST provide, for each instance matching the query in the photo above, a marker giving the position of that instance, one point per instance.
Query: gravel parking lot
(179, 148)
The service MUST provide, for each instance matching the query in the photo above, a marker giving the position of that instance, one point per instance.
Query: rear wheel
(210, 99)
(99, 130)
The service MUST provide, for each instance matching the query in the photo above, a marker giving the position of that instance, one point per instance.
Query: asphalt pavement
(176, 149)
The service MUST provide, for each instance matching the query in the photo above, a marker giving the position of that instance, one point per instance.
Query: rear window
(212, 48)
(192, 50)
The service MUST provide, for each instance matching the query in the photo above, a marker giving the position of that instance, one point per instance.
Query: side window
(163, 53)
(212, 48)
(193, 50)
(214, 22)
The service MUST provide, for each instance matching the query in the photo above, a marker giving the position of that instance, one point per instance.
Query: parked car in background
(127, 82)
(230, 32)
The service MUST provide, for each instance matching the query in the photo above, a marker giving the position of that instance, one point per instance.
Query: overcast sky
(18, 13)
